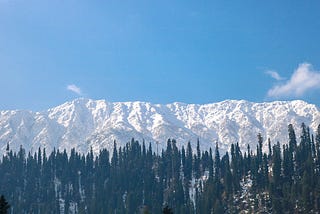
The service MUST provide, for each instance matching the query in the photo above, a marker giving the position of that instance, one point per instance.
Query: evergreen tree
(270, 149)
(210, 164)
(276, 190)
(288, 167)
(188, 166)
(292, 138)
(217, 163)
(229, 182)
(133, 178)
(167, 210)
(276, 169)
(259, 150)
(4, 205)
(236, 168)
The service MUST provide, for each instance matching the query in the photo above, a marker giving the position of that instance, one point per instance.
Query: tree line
(135, 179)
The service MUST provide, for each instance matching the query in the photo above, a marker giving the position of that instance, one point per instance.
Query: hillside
(85, 123)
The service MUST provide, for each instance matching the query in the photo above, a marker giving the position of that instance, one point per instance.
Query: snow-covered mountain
(85, 123)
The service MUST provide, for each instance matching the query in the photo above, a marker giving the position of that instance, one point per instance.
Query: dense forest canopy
(136, 179)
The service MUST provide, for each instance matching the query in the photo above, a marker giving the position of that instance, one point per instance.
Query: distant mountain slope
(85, 123)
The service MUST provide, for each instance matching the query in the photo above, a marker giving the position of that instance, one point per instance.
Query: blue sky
(158, 51)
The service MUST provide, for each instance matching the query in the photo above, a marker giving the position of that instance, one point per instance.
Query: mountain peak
(83, 123)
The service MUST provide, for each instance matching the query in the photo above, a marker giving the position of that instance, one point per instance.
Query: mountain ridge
(85, 123)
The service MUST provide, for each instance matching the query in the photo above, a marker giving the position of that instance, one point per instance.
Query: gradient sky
(158, 51)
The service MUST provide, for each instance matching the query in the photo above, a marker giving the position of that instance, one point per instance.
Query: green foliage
(133, 179)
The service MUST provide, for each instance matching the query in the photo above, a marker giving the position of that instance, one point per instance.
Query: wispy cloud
(275, 75)
(304, 79)
(74, 89)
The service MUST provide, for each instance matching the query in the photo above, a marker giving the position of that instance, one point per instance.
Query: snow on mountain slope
(85, 123)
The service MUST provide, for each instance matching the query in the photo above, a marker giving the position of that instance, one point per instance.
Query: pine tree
(227, 176)
(288, 167)
(217, 171)
(276, 169)
(217, 163)
(114, 159)
(259, 150)
(188, 166)
(248, 162)
(210, 164)
(292, 138)
(235, 167)
(265, 171)
(270, 149)
(135, 178)
(167, 210)
(275, 189)
(4, 205)
(197, 157)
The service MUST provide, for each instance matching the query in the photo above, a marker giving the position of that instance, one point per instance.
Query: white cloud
(303, 79)
(74, 89)
(275, 75)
